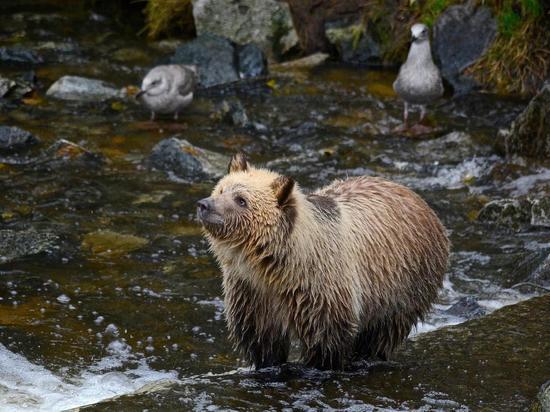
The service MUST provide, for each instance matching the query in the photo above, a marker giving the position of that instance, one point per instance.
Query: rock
(353, 43)
(540, 212)
(14, 139)
(466, 307)
(462, 34)
(232, 112)
(506, 212)
(83, 89)
(252, 62)
(178, 156)
(455, 368)
(541, 273)
(109, 243)
(17, 244)
(265, 22)
(307, 62)
(19, 55)
(543, 397)
(215, 57)
(14, 88)
(530, 132)
(64, 152)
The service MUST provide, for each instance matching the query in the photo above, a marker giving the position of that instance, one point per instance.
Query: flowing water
(98, 316)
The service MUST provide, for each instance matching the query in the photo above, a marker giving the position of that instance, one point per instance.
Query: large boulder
(353, 43)
(180, 158)
(219, 60)
(462, 34)
(530, 132)
(83, 89)
(265, 22)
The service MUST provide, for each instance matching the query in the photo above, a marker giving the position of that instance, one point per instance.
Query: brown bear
(348, 270)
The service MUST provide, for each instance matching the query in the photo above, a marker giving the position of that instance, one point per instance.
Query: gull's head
(154, 83)
(419, 32)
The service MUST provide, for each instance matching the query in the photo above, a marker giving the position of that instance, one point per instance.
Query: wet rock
(542, 403)
(19, 55)
(475, 358)
(109, 243)
(530, 132)
(17, 244)
(506, 212)
(265, 22)
(178, 156)
(64, 152)
(14, 89)
(540, 212)
(451, 148)
(307, 62)
(252, 62)
(353, 43)
(215, 57)
(83, 89)
(232, 112)
(466, 307)
(15, 139)
(462, 34)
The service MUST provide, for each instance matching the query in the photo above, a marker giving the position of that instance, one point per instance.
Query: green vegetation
(169, 18)
(518, 60)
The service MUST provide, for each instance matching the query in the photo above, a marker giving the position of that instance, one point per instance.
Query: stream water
(83, 323)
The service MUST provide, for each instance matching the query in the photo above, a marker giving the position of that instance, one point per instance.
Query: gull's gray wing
(185, 79)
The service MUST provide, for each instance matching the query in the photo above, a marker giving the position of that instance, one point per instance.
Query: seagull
(168, 88)
(419, 80)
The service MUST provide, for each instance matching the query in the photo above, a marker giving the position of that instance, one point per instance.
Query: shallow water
(85, 323)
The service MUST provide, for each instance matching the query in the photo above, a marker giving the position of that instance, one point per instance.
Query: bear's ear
(238, 163)
(282, 187)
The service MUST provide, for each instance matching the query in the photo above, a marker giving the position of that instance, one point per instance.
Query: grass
(169, 18)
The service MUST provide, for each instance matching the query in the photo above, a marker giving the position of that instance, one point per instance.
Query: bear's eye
(240, 201)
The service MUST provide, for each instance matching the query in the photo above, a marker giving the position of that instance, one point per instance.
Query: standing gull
(419, 81)
(168, 89)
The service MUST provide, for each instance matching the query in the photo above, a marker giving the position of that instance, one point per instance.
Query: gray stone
(354, 44)
(544, 397)
(13, 139)
(466, 307)
(252, 61)
(530, 132)
(506, 212)
(83, 89)
(178, 156)
(215, 57)
(540, 212)
(232, 112)
(462, 34)
(13, 88)
(19, 55)
(16, 244)
(267, 23)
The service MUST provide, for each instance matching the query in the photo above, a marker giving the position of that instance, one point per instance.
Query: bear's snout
(204, 205)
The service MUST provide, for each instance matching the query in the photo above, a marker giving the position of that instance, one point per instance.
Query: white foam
(25, 386)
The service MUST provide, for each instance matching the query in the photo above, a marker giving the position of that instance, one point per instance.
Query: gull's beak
(140, 93)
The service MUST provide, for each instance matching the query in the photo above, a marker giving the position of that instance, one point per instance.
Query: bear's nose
(205, 205)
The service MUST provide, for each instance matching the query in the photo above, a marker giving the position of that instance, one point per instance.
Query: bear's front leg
(253, 324)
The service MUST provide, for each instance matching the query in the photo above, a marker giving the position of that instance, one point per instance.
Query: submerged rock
(16, 244)
(540, 212)
(15, 139)
(109, 243)
(178, 156)
(15, 89)
(466, 307)
(462, 34)
(353, 43)
(83, 89)
(267, 23)
(19, 55)
(233, 112)
(454, 368)
(64, 152)
(530, 132)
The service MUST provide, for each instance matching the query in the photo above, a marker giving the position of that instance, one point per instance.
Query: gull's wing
(185, 78)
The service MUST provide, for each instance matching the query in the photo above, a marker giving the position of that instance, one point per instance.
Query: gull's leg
(405, 115)
(422, 113)
(152, 116)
